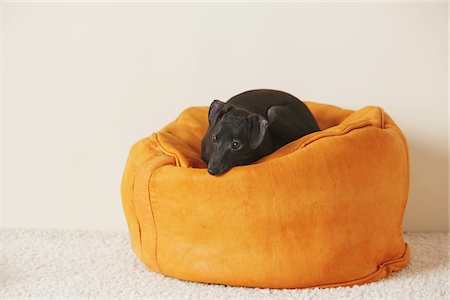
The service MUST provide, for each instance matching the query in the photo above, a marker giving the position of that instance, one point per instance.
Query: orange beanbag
(325, 210)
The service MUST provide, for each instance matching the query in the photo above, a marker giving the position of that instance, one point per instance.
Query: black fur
(251, 125)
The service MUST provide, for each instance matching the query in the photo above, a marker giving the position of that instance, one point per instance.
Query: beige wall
(82, 82)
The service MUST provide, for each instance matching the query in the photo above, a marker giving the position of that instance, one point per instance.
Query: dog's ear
(216, 110)
(258, 128)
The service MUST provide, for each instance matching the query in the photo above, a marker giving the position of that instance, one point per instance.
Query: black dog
(251, 125)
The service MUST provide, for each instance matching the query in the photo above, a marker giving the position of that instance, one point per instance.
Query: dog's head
(233, 137)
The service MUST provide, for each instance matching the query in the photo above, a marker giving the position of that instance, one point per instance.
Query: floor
(74, 264)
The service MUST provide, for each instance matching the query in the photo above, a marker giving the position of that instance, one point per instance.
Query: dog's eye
(235, 145)
(214, 139)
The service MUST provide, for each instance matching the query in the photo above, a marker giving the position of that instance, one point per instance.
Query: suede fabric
(325, 210)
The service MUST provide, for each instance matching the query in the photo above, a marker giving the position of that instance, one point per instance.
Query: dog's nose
(212, 171)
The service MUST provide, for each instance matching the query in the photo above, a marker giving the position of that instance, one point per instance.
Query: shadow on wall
(427, 208)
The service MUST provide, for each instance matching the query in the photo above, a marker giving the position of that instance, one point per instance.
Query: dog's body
(252, 125)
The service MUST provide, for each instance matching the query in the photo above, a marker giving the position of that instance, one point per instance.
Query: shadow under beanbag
(325, 210)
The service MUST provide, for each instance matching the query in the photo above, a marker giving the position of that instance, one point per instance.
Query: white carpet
(62, 264)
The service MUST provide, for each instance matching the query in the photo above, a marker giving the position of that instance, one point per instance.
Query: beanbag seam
(163, 150)
(138, 251)
(336, 133)
(160, 164)
(405, 143)
(153, 217)
(135, 214)
(383, 269)
(346, 130)
(133, 202)
(381, 117)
